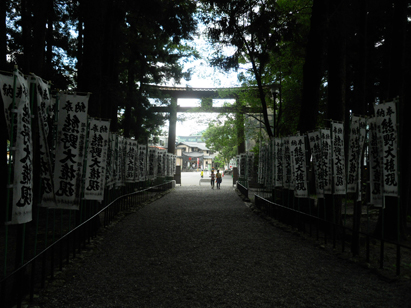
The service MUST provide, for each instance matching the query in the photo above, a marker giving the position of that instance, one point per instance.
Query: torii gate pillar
(172, 126)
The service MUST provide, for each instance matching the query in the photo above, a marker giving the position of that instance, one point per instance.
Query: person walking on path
(212, 175)
(218, 176)
(202, 173)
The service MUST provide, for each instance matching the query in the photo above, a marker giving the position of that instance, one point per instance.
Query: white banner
(386, 115)
(243, 165)
(96, 159)
(297, 148)
(278, 162)
(152, 163)
(130, 162)
(6, 85)
(250, 165)
(142, 157)
(286, 163)
(325, 135)
(169, 164)
(375, 163)
(22, 148)
(110, 161)
(174, 165)
(316, 154)
(357, 138)
(121, 161)
(160, 162)
(260, 164)
(337, 143)
(111, 180)
(71, 138)
(46, 170)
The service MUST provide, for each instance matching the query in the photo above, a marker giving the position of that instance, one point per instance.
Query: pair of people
(213, 177)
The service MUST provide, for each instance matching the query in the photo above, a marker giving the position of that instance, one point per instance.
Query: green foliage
(221, 137)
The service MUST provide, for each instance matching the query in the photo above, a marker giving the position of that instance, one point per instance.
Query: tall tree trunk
(39, 36)
(3, 38)
(48, 66)
(91, 79)
(313, 67)
(131, 89)
(115, 18)
(337, 63)
(26, 35)
(80, 39)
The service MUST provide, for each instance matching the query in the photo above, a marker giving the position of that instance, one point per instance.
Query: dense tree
(254, 30)
(221, 136)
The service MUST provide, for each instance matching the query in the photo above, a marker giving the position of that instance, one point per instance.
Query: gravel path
(198, 247)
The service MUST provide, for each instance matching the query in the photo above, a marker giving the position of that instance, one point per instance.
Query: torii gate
(199, 93)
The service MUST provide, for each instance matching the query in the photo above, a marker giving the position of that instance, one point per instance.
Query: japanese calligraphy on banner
(7, 90)
(142, 150)
(110, 160)
(170, 164)
(337, 143)
(297, 148)
(325, 135)
(174, 165)
(260, 165)
(22, 147)
(286, 163)
(250, 165)
(160, 162)
(152, 163)
(43, 106)
(375, 144)
(243, 165)
(314, 139)
(121, 162)
(357, 138)
(68, 168)
(96, 159)
(112, 156)
(386, 118)
(130, 162)
(278, 162)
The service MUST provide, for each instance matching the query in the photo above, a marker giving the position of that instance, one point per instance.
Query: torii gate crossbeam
(197, 93)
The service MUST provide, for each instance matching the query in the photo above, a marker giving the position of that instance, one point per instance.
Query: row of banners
(283, 162)
(85, 159)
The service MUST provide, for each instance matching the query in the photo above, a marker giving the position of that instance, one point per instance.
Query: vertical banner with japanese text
(97, 150)
(286, 162)
(325, 135)
(142, 157)
(357, 138)
(278, 162)
(250, 165)
(243, 165)
(375, 163)
(152, 163)
(71, 139)
(21, 151)
(160, 162)
(111, 180)
(130, 163)
(121, 161)
(386, 116)
(260, 164)
(43, 108)
(297, 148)
(314, 139)
(338, 161)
